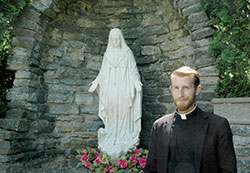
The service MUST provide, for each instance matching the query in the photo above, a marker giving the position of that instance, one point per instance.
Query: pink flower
(122, 163)
(97, 160)
(83, 157)
(109, 168)
(133, 159)
(142, 162)
(97, 155)
(136, 150)
(87, 164)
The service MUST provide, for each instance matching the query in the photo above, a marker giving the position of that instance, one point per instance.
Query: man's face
(184, 92)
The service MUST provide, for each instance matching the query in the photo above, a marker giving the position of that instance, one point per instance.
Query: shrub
(230, 45)
(9, 11)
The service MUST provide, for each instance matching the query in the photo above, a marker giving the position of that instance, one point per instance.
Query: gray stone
(197, 26)
(208, 71)
(84, 99)
(41, 126)
(176, 44)
(201, 43)
(197, 18)
(24, 42)
(241, 130)
(175, 25)
(19, 125)
(58, 51)
(147, 59)
(202, 33)
(94, 126)
(63, 109)
(27, 24)
(42, 5)
(32, 15)
(186, 3)
(150, 50)
(242, 151)
(187, 51)
(24, 32)
(236, 110)
(191, 10)
(70, 126)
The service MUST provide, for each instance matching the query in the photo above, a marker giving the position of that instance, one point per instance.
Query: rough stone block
(150, 50)
(4, 134)
(63, 109)
(175, 25)
(197, 18)
(236, 110)
(15, 113)
(241, 130)
(187, 51)
(208, 71)
(198, 26)
(176, 44)
(241, 141)
(186, 3)
(25, 42)
(42, 5)
(202, 33)
(242, 151)
(41, 126)
(94, 65)
(89, 109)
(57, 51)
(84, 99)
(27, 24)
(191, 10)
(25, 75)
(94, 126)
(201, 43)
(19, 125)
(147, 59)
(60, 97)
(156, 30)
(7, 158)
(31, 14)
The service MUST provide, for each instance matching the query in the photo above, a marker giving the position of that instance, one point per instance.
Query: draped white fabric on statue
(120, 93)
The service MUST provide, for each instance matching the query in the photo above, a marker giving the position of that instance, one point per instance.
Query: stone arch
(58, 49)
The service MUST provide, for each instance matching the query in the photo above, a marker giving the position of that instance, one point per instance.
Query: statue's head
(116, 39)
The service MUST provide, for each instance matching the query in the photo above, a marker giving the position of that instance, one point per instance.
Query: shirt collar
(184, 116)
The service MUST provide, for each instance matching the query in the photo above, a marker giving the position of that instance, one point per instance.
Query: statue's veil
(116, 31)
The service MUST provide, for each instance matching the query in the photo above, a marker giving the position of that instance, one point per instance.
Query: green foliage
(9, 11)
(230, 45)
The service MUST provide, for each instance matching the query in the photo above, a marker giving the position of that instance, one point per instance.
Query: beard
(184, 104)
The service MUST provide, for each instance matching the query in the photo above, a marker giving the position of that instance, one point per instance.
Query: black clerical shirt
(181, 149)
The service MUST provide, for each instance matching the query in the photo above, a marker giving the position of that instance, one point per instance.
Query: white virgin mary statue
(120, 95)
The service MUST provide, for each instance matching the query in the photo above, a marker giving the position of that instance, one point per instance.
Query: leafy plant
(133, 161)
(9, 11)
(230, 45)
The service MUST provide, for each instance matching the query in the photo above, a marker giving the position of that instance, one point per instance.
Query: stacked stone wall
(58, 51)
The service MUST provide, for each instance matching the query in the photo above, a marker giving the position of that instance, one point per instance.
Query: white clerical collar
(184, 116)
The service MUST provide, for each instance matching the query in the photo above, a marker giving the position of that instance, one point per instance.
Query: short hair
(186, 71)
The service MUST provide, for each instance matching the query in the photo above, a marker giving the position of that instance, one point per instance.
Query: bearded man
(190, 140)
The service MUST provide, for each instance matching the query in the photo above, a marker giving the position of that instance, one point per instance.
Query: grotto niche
(58, 46)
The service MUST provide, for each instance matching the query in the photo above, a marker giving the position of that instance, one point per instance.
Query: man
(190, 140)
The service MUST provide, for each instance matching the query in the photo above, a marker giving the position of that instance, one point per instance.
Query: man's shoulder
(214, 118)
(164, 119)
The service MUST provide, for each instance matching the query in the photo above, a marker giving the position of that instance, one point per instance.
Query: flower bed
(133, 161)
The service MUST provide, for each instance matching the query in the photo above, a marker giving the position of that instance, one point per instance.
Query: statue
(120, 94)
